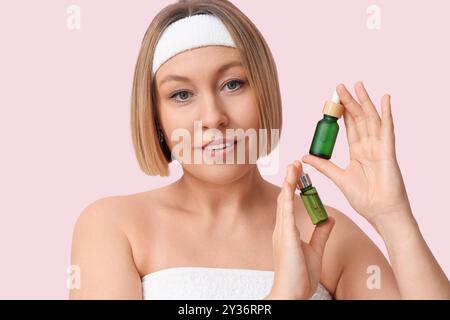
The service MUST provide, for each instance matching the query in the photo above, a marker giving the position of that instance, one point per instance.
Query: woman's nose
(212, 113)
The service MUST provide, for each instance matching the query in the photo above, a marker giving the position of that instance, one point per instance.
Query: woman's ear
(164, 146)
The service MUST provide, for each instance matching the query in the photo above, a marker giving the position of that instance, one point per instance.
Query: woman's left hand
(372, 181)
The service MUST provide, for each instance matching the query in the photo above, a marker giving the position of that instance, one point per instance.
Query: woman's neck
(217, 200)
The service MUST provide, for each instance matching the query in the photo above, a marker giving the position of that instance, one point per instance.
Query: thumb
(321, 234)
(326, 167)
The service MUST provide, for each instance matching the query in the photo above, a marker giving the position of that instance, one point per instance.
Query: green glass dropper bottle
(311, 200)
(327, 129)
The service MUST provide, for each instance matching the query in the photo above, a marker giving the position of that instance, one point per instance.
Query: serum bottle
(311, 200)
(327, 129)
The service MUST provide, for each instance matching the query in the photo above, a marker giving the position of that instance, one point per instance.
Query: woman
(221, 230)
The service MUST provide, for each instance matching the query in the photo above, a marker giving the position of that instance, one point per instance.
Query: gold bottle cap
(333, 109)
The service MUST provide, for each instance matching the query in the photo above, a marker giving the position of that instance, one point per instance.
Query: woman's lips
(223, 149)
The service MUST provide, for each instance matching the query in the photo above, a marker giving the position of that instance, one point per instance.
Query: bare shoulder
(108, 215)
(352, 256)
(345, 230)
(119, 211)
(343, 239)
(106, 211)
(348, 255)
(346, 239)
(114, 216)
(99, 242)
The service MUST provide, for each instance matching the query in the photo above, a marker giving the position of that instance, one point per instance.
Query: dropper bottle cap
(304, 181)
(333, 107)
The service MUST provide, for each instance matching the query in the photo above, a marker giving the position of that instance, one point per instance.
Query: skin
(230, 217)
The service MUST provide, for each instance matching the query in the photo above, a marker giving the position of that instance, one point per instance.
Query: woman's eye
(234, 84)
(183, 95)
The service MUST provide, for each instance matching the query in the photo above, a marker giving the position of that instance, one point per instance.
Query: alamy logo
(374, 280)
(250, 146)
(73, 21)
(374, 19)
(74, 277)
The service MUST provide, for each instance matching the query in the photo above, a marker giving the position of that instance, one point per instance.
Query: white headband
(190, 32)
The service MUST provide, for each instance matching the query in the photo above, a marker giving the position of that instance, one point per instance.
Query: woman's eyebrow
(220, 70)
(228, 66)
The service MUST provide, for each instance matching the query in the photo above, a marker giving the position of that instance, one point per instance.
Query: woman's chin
(218, 173)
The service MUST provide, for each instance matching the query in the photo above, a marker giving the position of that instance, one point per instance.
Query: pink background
(64, 124)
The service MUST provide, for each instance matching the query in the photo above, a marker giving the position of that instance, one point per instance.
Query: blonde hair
(154, 156)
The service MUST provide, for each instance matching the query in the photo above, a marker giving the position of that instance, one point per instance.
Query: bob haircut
(154, 156)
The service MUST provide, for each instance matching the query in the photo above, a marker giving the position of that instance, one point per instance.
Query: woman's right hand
(297, 264)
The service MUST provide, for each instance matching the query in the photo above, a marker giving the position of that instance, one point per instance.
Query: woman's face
(207, 86)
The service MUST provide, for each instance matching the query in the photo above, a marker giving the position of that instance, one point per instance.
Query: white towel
(200, 283)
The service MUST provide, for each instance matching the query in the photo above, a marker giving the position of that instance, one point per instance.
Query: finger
(278, 216)
(292, 179)
(349, 102)
(299, 166)
(327, 167)
(373, 119)
(387, 127)
(288, 211)
(320, 235)
(288, 216)
(278, 221)
(387, 122)
(350, 127)
(354, 108)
